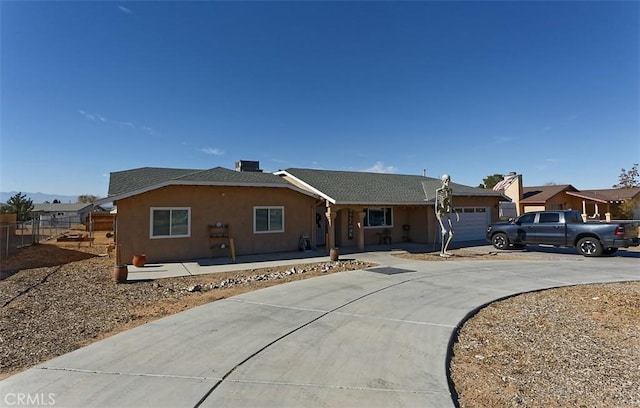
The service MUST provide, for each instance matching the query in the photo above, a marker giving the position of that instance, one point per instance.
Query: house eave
(383, 203)
(588, 197)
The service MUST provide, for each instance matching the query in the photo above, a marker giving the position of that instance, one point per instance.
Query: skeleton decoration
(444, 208)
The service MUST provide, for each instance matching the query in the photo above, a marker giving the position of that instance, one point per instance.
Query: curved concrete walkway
(371, 338)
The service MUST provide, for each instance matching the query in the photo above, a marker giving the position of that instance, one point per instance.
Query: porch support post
(584, 209)
(360, 223)
(331, 230)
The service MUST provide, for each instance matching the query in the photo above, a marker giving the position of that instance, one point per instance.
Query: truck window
(573, 217)
(527, 218)
(549, 217)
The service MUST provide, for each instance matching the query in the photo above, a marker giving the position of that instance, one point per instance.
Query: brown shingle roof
(541, 194)
(611, 194)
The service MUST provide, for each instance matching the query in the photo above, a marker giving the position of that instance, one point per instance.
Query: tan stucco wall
(514, 192)
(209, 205)
(566, 201)
(414, 216)
(422, 222)
(530, 208)
(560, 199)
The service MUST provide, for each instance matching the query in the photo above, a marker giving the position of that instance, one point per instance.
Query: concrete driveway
(371, 338)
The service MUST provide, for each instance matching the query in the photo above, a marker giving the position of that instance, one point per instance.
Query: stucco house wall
(561, 201)
(530, 208)
(209, 205)
(422, 222)
(414, 216)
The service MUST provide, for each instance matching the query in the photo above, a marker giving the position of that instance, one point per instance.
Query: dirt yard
(569, 347)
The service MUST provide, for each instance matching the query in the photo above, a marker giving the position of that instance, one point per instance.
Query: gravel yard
(64, 298)
(571, 347)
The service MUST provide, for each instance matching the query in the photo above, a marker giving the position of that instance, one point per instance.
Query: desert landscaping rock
(573, 346)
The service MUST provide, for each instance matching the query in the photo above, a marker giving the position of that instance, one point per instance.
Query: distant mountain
(39, 198)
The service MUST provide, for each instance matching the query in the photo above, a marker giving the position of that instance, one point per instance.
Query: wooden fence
(101, 222)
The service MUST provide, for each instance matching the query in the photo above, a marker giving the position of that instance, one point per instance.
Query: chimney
(248, 165)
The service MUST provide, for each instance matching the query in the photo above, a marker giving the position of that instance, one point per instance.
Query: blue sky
(547, 89)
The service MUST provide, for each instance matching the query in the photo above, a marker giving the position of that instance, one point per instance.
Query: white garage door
(472, 225)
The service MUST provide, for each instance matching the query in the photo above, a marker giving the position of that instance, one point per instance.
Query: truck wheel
(589, 246)
(500, 241)
(609, 251)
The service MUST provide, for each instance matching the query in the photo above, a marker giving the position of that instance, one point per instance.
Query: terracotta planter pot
(334, 254)
(139, 260)
(120, 273)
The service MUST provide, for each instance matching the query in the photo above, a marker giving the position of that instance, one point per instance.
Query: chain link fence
(14, 236)
(18, 234)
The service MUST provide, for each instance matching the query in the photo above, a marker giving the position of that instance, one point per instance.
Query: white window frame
(383, 209)
(267, 207)
(151, 211)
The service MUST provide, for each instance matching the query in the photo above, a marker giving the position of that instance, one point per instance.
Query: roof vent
(248, 165)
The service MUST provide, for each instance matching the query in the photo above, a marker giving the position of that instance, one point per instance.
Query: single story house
(609, 200)
(363, 208)
(178, 214)
(594, 204)
(66, 213)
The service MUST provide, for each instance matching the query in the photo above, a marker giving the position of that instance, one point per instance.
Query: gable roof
(608, 195)
(123, 184)
(352, 187)
(131, 180)
(540, 194)
(60, 207)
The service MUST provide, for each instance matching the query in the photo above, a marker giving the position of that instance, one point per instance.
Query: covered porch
(360, 227)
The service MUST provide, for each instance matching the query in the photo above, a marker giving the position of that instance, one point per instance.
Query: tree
(490, 181)
(20, 205)
(625, 210)
(628, 179)
(87, 198)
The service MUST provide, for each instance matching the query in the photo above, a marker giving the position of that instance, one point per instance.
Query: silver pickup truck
(563, 229)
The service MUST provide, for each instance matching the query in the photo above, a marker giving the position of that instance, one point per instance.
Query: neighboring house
(168, 213)
(594, 204)
(608, 201)
(67, 213)
(552, 197)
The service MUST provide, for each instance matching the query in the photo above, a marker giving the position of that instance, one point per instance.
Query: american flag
(505, 182)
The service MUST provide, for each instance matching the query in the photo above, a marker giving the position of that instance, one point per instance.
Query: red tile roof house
(169, 214)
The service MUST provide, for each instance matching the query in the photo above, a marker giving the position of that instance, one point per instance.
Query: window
(268, 219)
(574, 217)
(378, 217)
(527, 218)
(549, 217)
(170, 222)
